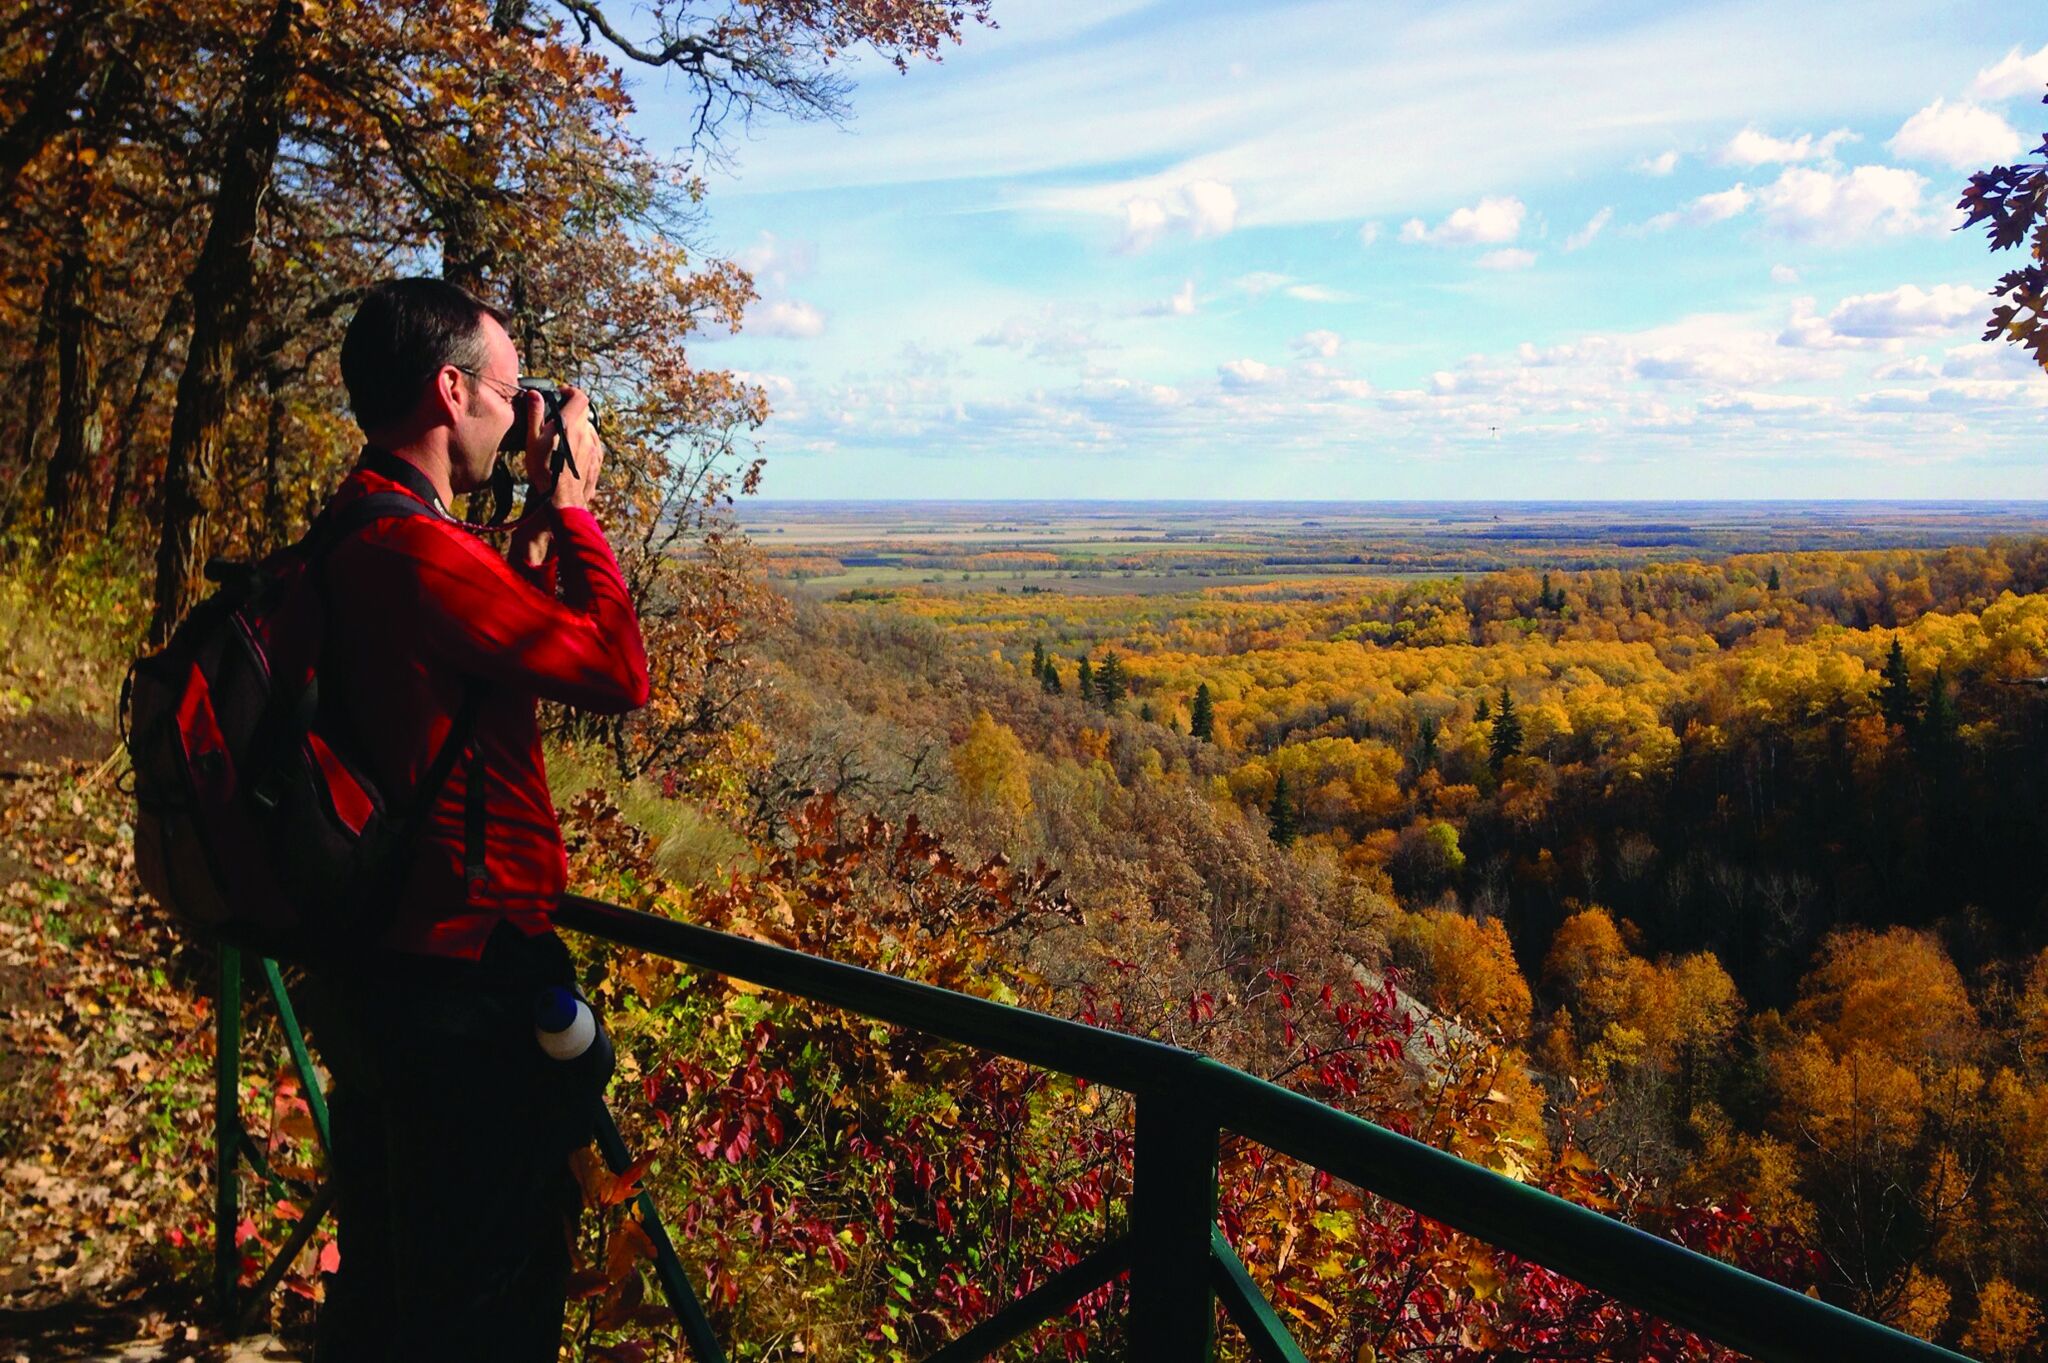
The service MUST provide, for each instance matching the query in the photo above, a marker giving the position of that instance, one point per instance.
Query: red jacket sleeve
(489, 620)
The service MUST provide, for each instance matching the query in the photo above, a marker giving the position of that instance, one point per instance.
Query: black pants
(452, 1131)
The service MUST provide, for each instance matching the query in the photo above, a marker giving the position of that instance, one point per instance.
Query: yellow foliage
(2031, 1012)
(1919, 1303)
(2006, 1325)
(1862, 1106)
(1468, 970)
(991, 767)
(1895, 993)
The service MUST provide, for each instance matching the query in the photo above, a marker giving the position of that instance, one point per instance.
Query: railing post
(309, 1078)
(675, 1284)
(227, 1130)
(1173, 1215)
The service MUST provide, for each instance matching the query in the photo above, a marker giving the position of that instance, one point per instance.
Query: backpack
(255, 827)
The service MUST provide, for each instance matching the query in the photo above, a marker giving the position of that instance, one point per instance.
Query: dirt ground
(97, 1051)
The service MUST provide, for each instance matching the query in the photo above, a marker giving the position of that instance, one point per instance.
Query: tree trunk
(66, 479)
(219, 287)
(33, 382)
(274, 525)
(468, 248)
(47, 112)
(119, 496)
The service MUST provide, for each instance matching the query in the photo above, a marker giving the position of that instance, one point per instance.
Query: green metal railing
(1179, 1262)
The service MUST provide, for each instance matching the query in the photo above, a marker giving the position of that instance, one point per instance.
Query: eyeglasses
(497, 386)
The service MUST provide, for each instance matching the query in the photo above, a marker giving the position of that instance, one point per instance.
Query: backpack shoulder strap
(338, 523)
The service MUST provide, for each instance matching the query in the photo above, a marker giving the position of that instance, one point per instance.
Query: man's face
(489, 410)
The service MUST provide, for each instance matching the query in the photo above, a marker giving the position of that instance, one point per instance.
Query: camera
(510, 469)
(551, 410)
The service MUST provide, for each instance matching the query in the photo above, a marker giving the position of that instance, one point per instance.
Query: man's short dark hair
(403, 332)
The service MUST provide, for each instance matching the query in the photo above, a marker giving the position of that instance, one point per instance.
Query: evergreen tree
(1086, 684)
(1545, 601)
(1507, 733)
(1050, 678)
(1895, 697)
(1202, 715)
(1112, 683)
(1145, 712)
(1772, 585)
(1037, 658)
(1281, 811)
(1942, 720)
(1425, 747)
(1482, 710)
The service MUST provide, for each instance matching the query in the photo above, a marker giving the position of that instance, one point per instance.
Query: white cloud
(1959, 136)
(1182, 304)
(1259, 283)
(1659, 165)
(1488, 221)
(1246, 374)
(1758, 404)
(1784, 274)
(1882, 319)
(1323, 343)
(797, 321)
(774, 261)
(1718, 206)
(1583, 238)
(1512, 258)
(1200, 208)
(1368, 233)
(1806, 329)
(1985, 360)
(1212, 207)
(1721, 352)
(2013, 74)
(1144, 220)
(781, 390)
(1906, 311)
(1752, 147)
(1820, 205)
(1913, 367)
(1045, 335)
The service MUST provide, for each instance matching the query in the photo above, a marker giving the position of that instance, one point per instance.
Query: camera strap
(407, 475)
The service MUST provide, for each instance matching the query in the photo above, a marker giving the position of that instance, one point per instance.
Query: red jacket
(422, 607)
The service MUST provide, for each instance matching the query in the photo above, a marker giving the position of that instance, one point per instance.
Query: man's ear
(446, 398)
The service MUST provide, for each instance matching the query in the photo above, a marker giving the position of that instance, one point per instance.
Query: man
(451, 1126)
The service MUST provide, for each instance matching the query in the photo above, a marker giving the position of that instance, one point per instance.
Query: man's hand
(586, 451)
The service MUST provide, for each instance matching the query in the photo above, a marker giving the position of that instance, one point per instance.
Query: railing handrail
(1704, 1295)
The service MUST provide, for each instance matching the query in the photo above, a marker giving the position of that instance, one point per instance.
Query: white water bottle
(565, 1026)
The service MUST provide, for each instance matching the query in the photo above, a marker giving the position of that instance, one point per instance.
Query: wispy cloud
(1510, 258)
(785, 318)
(2013, 74)
(1581, 239)
(1752, 147)
(1718, 206)
(1048, 334)
(1182, 304)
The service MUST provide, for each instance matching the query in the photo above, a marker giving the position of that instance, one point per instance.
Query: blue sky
(1535, 248)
